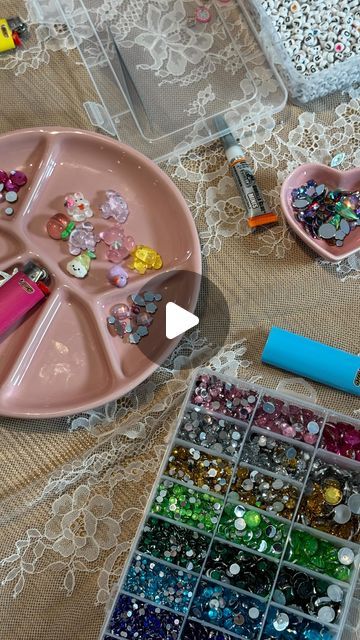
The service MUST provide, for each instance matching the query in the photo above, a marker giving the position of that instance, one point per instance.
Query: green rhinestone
(335, 220)
(252, 519)
(319, 562)
(342, 573)
(310, 546)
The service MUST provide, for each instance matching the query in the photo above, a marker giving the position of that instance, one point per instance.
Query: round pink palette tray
(62, 360)
(333, 179)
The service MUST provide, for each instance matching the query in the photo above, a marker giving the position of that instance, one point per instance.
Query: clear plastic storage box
(208, 500)
(162, 76)
(315, 82)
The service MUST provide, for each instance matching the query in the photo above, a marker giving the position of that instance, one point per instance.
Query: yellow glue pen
(258, 213)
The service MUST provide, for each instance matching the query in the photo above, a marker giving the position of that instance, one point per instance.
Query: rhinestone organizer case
(252, 529)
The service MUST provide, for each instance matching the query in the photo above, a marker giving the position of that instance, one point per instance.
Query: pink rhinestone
(310, 438)
(289, 432)
(11, 186)
(18, 177)
(3, 176)
(262, 421)
(202, 14)
(352, 437)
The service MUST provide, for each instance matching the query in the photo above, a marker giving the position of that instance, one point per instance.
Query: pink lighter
(19, 294)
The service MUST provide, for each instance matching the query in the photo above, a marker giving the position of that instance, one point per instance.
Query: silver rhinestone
(354, 503)
(234, 569)
(326, 614)
(313, 427)
(240, 524)
(342, 514)
(268, 407)
(346, 556)
(281, 622)
(335, 593)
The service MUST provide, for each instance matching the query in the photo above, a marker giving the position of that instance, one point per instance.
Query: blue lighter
(314, 360)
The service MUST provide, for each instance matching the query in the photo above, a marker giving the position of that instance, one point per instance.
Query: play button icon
(175, 334)
(178, 320)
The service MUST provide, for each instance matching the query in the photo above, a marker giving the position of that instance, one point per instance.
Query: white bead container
(315, 45)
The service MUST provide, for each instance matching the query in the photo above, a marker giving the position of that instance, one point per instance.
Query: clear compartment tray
(161, 76)
(194, 572)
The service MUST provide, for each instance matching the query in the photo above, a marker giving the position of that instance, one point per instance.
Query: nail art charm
(77, 207)
(115, 207)
(79, 267)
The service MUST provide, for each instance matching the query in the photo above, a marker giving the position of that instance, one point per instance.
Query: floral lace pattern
(171, 49)
(348, 269)
(198, 106)
(85, 523)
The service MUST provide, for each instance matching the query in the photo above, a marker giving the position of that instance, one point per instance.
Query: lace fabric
(73, 490)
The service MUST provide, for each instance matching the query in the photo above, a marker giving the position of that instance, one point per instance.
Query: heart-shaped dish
(334, 179)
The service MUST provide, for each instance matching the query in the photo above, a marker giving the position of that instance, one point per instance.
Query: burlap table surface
(268, 278)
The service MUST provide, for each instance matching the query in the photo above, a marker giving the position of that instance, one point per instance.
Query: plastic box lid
(162, 76)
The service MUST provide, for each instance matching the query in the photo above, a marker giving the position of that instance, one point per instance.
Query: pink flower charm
(115, 207)
(119, 244)
(116, 253)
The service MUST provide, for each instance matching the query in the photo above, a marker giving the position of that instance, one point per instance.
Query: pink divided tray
(62, 360)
